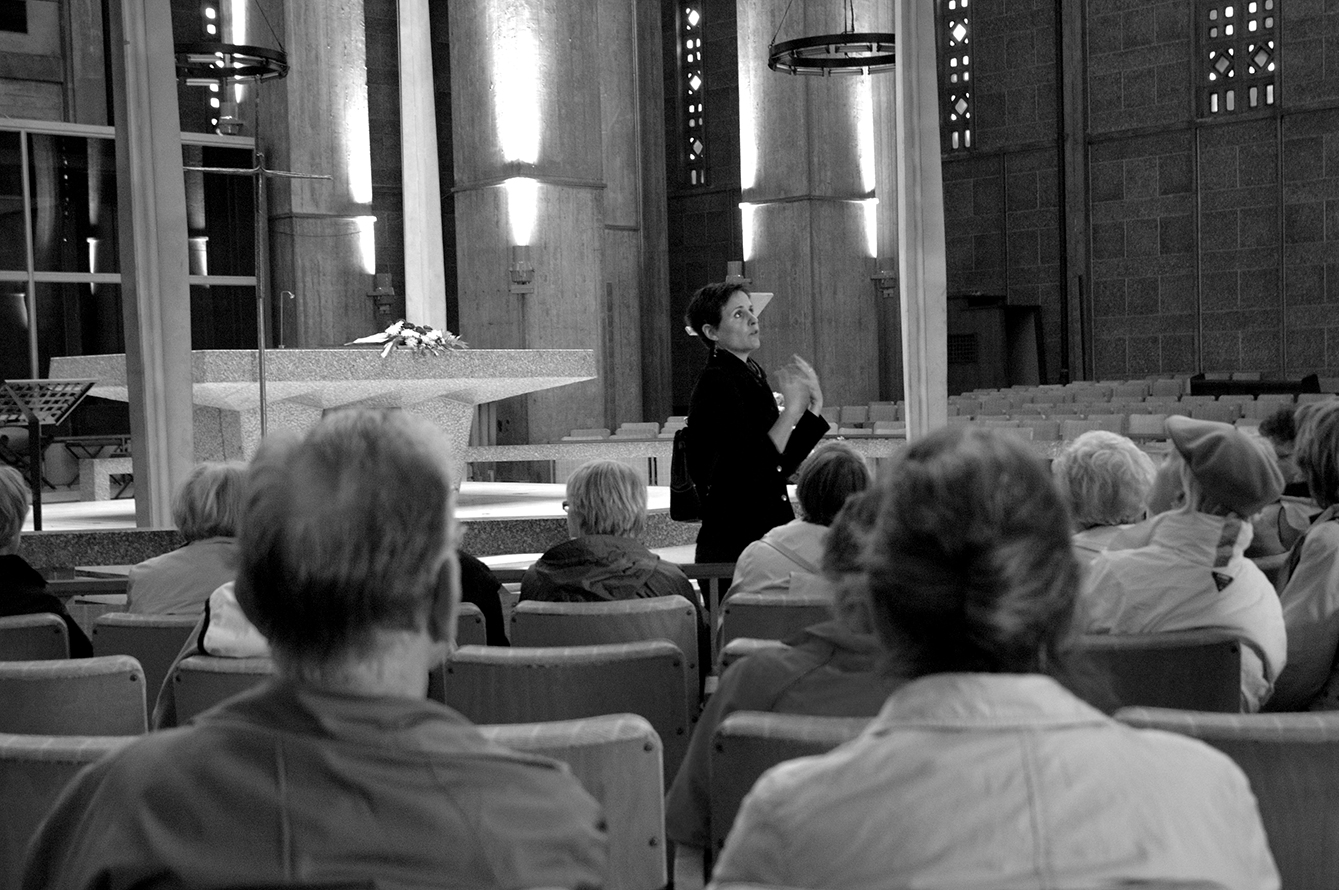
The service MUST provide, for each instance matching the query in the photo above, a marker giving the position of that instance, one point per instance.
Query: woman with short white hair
(1105, 479)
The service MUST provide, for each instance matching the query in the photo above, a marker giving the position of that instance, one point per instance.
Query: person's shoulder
(1192, 761)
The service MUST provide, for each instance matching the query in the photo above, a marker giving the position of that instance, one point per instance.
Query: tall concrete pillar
(315, 121)
(808, 177)
(529, 171)
(151, 199)
(920, 220)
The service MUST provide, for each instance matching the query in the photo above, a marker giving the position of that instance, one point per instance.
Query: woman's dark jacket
(23, 592)
(739, 476)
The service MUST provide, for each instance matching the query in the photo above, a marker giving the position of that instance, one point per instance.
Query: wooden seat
(33, 637)
(152, 640)
(617, 758)
(670, 618)
(748, 743)
(470, 627)
(202, 681)
(1292, 762)
(1223, 412)
(1194, 669)
(771, 616)
(1148, 426)
(495, 684)
(34, 770)
(81, 696)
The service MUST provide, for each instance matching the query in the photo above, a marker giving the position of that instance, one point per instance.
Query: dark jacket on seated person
(599, 568)
(23, 592)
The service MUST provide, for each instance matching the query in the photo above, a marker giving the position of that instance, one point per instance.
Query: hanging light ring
(858, 52)
(199, 64)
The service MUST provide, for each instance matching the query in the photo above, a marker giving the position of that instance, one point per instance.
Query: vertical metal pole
(262, 273)
(24, 173)
(35, 467)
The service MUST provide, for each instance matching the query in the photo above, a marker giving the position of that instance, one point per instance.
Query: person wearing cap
(1186, 568)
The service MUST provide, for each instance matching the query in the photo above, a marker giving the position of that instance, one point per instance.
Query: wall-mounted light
(734, 273)
(885, 277)
(383, 299)
(522, 270)
(746, 211)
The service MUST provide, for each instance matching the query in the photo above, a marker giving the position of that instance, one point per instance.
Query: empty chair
(1195, 669)
(1187, 400)
(202, 681)
(1134, 389)
(831, 413)
(586, 434)
(771, 616)
(671, 618)
(852, 415)
(1113, 423)
(81, 696)
(470, 627)
(1043, 429)
(1223, 412)
(1148, 426)
(617, 758)
(648, 430)
(1167, 387)
(748, 743)
(883, 412)
(993, 405)
(890, 428)
(1292, 762)
(1072, 429)
(33, 637)
(152, 640)
(34, 769)
(492, 684)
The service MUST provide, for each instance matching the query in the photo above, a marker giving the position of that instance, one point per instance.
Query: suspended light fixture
(850, 52)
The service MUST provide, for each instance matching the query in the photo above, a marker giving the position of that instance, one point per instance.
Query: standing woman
(741, 447)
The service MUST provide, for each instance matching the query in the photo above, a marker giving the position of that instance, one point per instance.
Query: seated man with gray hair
(603, 560)
(1105, 480)
(339, 769)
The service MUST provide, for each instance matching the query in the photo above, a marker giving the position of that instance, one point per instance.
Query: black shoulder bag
(684, 505)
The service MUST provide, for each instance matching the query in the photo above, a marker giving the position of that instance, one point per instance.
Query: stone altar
(300, 384)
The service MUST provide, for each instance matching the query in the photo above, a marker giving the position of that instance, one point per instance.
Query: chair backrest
(152, 640)
(1194, 669)
(1043, 429)
(1223, 412)
(1148, 426)
(33, 637)
(1072, 429)
(742, 647)
(34, 770)
(519, 684)
(202, 681)
(1292, 762)
(80, 696)
(771, 616)
(749, 743)
(617, 758)
(852, 414)
(1112, 423)
(884, 412)
(671, 618)
(1166, 387)
(470, 628)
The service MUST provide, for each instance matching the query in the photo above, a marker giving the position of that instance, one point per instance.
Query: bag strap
(794, 557)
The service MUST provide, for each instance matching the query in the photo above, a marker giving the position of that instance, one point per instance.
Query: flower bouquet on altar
(417, 338)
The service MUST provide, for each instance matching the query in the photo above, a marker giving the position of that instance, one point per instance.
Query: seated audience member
(22, 588)
(1187, 570)
(830, 669)
(794, 551)
(606, 514)
(1105, 480)
(205, 510)
(1310, 594)
(1280, 430)
(1278, 526)
(981, 771)
(339, 769)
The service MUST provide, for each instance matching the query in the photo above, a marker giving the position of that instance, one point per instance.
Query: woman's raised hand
(794, 387)
(810, 376)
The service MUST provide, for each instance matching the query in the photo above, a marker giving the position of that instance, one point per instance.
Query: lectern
(39, 403)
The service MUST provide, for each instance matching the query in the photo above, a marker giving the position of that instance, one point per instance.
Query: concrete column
(920, 221)
(526, 105)
(151, 199)
(315, 121)
(807, 169)
(424, 264)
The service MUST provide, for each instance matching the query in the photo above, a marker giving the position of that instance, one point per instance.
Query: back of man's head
(345, 533)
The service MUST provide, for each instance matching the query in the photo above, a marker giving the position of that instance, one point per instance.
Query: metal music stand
(38, 403)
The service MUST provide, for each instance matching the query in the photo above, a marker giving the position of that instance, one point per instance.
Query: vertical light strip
(871, 206)
(864, 109)
(748, 130)
(522, 206)
(746, 211)
(367, 242)
(516, 79)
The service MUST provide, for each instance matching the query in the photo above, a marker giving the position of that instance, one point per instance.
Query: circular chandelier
(850, 52)
(204, 63)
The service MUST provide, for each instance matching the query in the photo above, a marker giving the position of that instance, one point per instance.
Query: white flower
(394, 329)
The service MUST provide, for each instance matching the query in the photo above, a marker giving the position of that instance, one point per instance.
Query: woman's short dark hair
(1279, 425)
(830, 475)
(209, 502)
(706, 305)
(969, 567)
(1318, 450)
